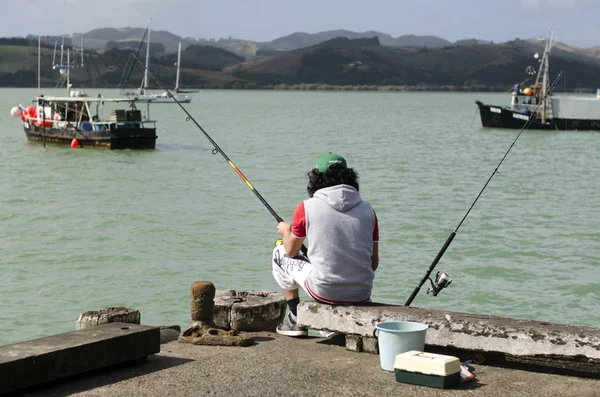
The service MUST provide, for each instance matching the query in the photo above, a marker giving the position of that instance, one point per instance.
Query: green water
(83, 229)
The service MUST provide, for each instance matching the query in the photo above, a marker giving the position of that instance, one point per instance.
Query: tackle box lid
(427, 363)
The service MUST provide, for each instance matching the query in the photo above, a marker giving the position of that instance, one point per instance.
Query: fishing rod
(217, 149)
(132, 66)
(442, 280)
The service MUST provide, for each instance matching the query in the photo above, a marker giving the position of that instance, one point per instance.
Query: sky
(573, 22)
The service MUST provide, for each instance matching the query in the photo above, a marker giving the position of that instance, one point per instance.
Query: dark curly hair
(334, 176)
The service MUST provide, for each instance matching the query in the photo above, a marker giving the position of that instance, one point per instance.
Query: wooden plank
(54, 357)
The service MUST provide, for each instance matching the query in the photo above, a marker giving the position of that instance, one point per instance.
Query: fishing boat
(79, 120)
(70, 120)
(540, 107)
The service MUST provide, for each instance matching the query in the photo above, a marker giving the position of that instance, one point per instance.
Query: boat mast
(147, 58)
(54, 56)
(178, 63)
(39, 63)
(545, 72)
(68, 72)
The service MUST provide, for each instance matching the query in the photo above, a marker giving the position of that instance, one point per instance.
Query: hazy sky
(575, 22)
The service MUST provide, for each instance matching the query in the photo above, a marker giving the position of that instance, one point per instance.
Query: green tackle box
(427, 369)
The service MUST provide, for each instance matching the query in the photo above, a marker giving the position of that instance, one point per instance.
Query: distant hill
(202, 57)
(298, 40)
(343, 43)
(98, 39)
(421, 41)
(472, 41)
(467, 65)
(471, 65)
(593, 52)
(128, 37)
(200, 67)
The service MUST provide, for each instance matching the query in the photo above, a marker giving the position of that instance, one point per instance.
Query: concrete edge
(460, 330)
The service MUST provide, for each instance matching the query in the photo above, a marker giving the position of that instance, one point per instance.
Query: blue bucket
(397, 337)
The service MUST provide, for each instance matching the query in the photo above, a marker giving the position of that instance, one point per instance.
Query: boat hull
(109, 139)
(499, 117)
(171, 100)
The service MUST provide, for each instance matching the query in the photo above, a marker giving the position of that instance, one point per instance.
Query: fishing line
(216, 149)
(445, 282)
(474, 117)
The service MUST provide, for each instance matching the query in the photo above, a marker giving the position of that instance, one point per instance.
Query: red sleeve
(376, 229)
(299, 222)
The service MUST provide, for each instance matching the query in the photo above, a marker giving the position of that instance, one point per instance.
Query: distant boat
(177, 89)
(78, 120)
(556, 112)
(145, 95)
(180, 97)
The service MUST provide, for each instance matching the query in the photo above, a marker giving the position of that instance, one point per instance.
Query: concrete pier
(282, 366)
(54, 357)
(278, 365)
(113, 314)
(545, 343)
(250, 311)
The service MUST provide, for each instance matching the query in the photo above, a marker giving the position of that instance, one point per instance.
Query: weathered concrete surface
(41, 360)
(224, 300)
(281, 366)
(463, 331)
(201, 334)
(250, 311)
(259, 311)
(114, 314)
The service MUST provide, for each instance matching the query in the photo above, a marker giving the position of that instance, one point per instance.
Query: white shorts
(290, 273)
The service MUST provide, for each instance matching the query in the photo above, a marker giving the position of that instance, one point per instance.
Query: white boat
(165, 97)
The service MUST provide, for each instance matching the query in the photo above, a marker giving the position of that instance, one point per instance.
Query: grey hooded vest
(339, 229)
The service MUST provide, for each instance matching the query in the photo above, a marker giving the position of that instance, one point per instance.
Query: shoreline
(327, 87)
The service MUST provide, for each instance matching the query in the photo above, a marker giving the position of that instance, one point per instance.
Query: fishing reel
(442, 280)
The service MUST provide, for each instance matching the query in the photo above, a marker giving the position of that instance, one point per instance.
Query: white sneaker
(289, 327)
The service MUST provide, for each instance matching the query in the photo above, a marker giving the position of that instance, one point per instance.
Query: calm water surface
(83, 229)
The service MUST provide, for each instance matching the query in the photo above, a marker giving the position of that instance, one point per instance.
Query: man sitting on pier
(343, 239)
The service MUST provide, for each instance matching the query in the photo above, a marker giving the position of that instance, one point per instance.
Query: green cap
(325, 161)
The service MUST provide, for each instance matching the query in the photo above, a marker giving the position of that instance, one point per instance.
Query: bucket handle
(375, 333)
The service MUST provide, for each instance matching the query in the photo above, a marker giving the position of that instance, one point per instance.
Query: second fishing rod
(216, 148)
(442, 279)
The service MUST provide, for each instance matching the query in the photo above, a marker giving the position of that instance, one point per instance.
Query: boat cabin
(87, 113)
(526, 101)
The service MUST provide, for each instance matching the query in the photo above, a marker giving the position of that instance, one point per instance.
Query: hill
(470, 66)
(166, 42)
(298, 40)
(99, 39)
(200, 67)
(336, 62)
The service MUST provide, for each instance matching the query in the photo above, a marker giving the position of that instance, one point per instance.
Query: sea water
(85, 229)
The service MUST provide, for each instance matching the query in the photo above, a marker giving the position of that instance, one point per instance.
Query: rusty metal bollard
(203, 302)
(202, 330)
